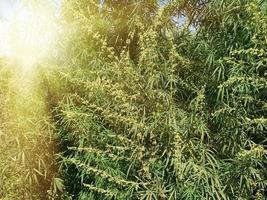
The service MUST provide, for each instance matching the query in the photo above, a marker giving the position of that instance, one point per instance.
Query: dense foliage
(27, 142)
(163, 100)
(150, 100)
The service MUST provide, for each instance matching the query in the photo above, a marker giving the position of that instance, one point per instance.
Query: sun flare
(28, 34)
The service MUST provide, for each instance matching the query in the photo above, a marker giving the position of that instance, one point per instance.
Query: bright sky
(28, 33)
(7, 7)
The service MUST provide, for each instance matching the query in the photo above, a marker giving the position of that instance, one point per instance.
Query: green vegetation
(26, 138)
(148, 101)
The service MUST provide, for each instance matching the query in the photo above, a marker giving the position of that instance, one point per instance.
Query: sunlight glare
(28, 34)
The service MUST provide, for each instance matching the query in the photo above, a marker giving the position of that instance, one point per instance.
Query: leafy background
(149, 100)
